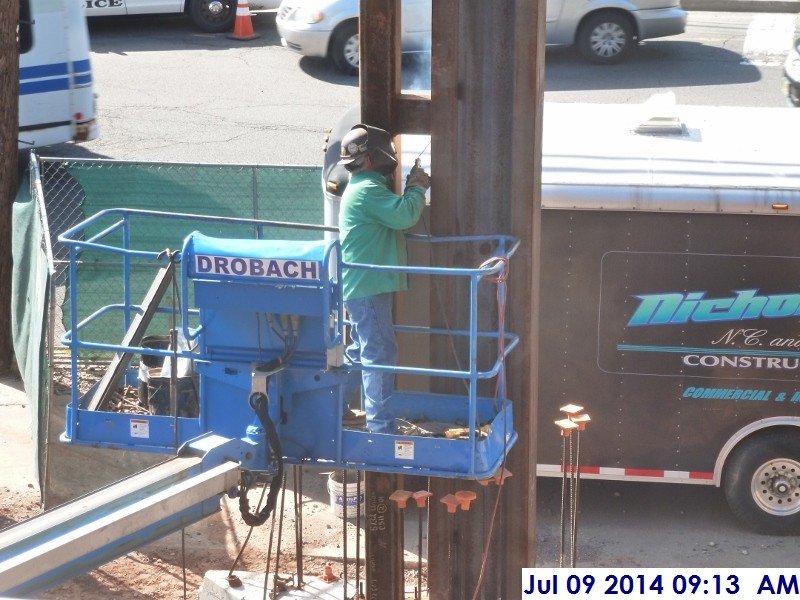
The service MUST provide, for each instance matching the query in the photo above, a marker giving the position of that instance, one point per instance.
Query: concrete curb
(762, 6)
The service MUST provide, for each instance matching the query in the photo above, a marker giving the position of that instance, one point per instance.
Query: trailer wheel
(213, 16)
(762, 482)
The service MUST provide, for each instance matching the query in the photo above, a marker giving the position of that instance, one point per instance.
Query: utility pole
(9, 124)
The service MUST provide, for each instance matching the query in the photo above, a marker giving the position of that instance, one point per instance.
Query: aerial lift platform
(260, 322)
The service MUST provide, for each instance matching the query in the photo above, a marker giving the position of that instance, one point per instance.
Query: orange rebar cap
(400, 497)
(465, 497)
(421, 498)
(327, 574)
(566, 426)
(581, 421)
(499, 478)
(451, 502)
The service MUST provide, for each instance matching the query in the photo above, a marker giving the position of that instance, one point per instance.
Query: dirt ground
(157, 570)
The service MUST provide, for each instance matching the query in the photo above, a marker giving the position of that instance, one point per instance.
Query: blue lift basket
(261, 324)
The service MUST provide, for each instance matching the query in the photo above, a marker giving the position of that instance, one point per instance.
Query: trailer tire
(762, 482)
(213, 16)
(344, 52)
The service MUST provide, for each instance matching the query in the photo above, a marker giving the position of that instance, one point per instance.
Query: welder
(371, 223)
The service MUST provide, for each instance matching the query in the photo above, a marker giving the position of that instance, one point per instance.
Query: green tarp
(29, 292)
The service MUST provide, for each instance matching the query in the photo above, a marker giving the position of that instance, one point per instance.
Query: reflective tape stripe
(593, 472)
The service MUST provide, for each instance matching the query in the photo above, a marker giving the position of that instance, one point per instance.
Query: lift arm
(53, 547)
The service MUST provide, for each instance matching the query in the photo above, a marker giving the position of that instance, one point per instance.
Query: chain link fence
(77, 189)
(73, 190)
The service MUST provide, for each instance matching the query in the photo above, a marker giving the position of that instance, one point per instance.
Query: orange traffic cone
(243, 25)
(327, 574)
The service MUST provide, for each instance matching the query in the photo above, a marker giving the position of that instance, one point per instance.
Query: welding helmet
(365, 140)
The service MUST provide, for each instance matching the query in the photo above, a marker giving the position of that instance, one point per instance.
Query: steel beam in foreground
(62, 543)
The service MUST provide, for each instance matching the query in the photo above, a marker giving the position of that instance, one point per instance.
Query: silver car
(604, 31)
(330, 28)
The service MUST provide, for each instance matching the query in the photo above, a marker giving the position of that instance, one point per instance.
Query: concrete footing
(216, 587)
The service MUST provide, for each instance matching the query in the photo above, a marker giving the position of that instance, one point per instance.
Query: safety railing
(120, 224)
(111, 232)
(496, 266)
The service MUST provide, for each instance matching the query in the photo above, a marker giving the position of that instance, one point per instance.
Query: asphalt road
(167, 92)
(724, 59)
(646, 525)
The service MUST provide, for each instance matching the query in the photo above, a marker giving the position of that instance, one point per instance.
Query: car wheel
(605, 38)
(344, 49)
(762, 482)
(213, 16)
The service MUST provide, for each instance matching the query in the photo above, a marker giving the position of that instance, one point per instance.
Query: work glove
(418, 177)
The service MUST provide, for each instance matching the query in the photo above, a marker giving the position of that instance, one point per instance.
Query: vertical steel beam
(383, 538)
(486, 111)
(485, 120)
(527, 103)
(379, 73)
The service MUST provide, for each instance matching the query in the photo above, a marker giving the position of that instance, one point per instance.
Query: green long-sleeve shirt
(371, 224)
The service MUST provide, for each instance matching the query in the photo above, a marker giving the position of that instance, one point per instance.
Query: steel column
(379, 34)
(487, 90)
(485, 121)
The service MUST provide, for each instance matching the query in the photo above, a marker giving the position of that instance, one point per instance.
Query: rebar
(344, 534)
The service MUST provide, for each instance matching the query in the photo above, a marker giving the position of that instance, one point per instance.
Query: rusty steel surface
(484, 117)
(379, 72)
(527, 108)
(384, 538)
(379, 79)
(487, 89)
(412, 114)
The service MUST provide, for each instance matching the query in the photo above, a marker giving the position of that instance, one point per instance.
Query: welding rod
(571, 501)
(419, 554)
(421, 498)
(567, 426)
(416, 160)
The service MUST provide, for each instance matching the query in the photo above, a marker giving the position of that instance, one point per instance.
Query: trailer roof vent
(661, 126)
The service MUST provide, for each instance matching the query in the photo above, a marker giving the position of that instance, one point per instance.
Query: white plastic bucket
(337, 493)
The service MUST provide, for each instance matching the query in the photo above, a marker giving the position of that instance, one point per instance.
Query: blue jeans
(374, 343)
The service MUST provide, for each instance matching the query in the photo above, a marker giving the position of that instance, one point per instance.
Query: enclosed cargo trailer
(670, 300)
